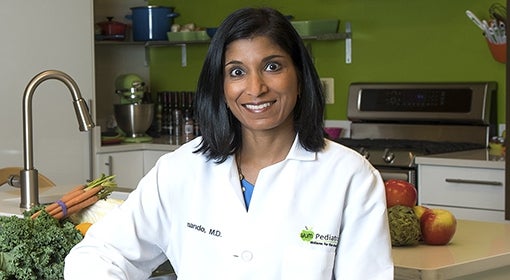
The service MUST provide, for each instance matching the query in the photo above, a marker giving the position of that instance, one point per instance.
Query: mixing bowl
(134, 119)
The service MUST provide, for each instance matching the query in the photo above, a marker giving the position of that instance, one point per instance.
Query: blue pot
(151, 23)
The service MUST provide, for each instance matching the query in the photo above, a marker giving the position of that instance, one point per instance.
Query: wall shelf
(183, 44)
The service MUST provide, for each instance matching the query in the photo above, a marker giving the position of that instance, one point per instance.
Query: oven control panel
(465, 103)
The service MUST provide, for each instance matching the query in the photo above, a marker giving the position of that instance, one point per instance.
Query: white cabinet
(469, 191)
(127, 166)
(150, 157)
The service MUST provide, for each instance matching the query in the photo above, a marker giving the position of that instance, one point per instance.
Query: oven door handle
(478, 182)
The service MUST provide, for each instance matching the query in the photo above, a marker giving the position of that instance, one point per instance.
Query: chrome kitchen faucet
(28, 178)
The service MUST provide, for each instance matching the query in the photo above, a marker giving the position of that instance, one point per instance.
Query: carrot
(35, 215)
(77, 207)
(80, 197)
(75, 200)
(83, 196)
(66, 197)
(69, 195)
(72, 193)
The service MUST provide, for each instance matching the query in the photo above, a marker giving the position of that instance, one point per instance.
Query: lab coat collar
(298, 152)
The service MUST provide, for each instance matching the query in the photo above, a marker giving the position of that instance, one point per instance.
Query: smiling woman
(262, 162)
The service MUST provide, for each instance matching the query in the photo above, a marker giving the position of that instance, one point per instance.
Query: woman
(262, 194)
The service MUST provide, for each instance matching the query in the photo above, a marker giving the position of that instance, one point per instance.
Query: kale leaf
(35, 249)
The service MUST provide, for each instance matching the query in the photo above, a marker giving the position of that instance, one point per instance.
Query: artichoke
(404, 226)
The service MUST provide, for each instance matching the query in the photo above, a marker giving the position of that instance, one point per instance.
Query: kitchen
(414, 44)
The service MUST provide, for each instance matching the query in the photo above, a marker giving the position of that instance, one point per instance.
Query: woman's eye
(236, 72)
(273, 66)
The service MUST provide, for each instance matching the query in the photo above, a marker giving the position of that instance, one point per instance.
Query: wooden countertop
(476, 247)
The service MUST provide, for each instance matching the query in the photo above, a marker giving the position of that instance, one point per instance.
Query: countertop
(10, 198)
(163, 143)
(479, 248)
(126, 147)
(481, 158)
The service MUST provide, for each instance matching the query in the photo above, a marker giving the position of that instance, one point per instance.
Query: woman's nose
(256, 85)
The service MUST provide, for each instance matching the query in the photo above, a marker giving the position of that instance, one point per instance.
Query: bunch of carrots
(80, 197)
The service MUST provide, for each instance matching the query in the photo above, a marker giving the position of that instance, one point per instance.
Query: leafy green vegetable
(404, 226)
(34, 249)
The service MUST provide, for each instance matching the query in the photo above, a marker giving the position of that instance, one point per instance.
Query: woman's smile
(257, 108)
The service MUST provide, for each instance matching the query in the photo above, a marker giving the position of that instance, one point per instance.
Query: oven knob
(388, 156)
(364, 152)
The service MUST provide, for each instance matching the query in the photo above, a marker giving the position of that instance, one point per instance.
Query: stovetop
(419, 146)
(401, 152)
(392, 123)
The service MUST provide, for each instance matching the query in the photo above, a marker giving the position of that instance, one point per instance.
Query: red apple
(400, 192)
(437, 226)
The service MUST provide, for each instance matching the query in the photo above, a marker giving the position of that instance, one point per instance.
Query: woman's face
(261, 84)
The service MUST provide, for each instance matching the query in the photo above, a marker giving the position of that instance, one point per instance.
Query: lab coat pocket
(302, 262)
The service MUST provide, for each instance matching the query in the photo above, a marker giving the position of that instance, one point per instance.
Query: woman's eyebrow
(233, 62)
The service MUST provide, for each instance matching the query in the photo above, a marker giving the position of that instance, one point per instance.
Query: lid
(110, 21)
(151, 7)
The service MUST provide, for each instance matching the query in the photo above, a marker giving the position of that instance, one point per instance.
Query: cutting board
(5, 173)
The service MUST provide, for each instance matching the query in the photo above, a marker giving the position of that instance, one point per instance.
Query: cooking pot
(112, 30)
(151, 23)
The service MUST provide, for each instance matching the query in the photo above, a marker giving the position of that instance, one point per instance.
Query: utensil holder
(498, 51)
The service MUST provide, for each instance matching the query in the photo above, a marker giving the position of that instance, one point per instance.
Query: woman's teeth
(258, 106)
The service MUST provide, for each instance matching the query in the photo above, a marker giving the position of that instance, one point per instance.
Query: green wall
(393, 41)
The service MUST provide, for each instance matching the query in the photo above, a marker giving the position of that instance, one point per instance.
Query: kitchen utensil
(130, 88)
(498, 11)
(132, 116)
(112, 28)
(134, 120)
(151, 23)
(476, 20)
(491, 32)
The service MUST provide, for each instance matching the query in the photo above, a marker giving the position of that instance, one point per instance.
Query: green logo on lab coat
(307, 234)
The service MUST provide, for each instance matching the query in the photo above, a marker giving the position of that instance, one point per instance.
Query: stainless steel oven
(392, 123)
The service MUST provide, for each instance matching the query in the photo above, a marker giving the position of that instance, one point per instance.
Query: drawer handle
(464, 181)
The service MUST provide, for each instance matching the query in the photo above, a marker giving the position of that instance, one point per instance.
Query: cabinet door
(462, 187)
(470, 193)
(126, 166)
(150, 158)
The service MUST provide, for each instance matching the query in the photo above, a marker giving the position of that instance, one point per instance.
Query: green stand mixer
(133, 117)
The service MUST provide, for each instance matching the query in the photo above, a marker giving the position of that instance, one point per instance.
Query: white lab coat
(312, 216)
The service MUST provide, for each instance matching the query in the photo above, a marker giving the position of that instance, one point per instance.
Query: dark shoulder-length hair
(220, 130)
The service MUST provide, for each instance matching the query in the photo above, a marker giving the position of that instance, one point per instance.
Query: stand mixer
(133, 117)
